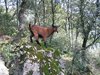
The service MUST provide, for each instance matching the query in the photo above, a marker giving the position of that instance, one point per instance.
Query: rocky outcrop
(3, 69)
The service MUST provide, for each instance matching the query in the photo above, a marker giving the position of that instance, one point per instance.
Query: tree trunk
(53, 8)
(17, 5)
(82, 51)
(6, 6)
(43, 12)
(21, 25)
(85, 41)
(53, 15)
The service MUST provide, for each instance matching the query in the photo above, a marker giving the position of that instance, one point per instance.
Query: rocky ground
(3, 69)
(29, 66)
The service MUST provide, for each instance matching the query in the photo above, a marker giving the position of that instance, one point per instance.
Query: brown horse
(41, 32)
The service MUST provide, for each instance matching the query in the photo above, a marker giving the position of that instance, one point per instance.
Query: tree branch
(92, 42)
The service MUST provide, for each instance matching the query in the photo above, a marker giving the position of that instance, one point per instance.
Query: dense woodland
(74, 50)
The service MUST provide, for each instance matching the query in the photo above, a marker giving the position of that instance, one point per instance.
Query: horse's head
(55, 28)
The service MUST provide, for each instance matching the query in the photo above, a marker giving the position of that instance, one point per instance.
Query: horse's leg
(31, 38)
(38, 42)
(45, 44)
(36, 36)
(44, 39)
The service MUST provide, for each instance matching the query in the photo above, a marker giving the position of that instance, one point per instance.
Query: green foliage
(1, 10)
(98, 62)
(71, 33)
(30, 73)
(51, 63)
(47, 57)
(5, 50)
(7, 25)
